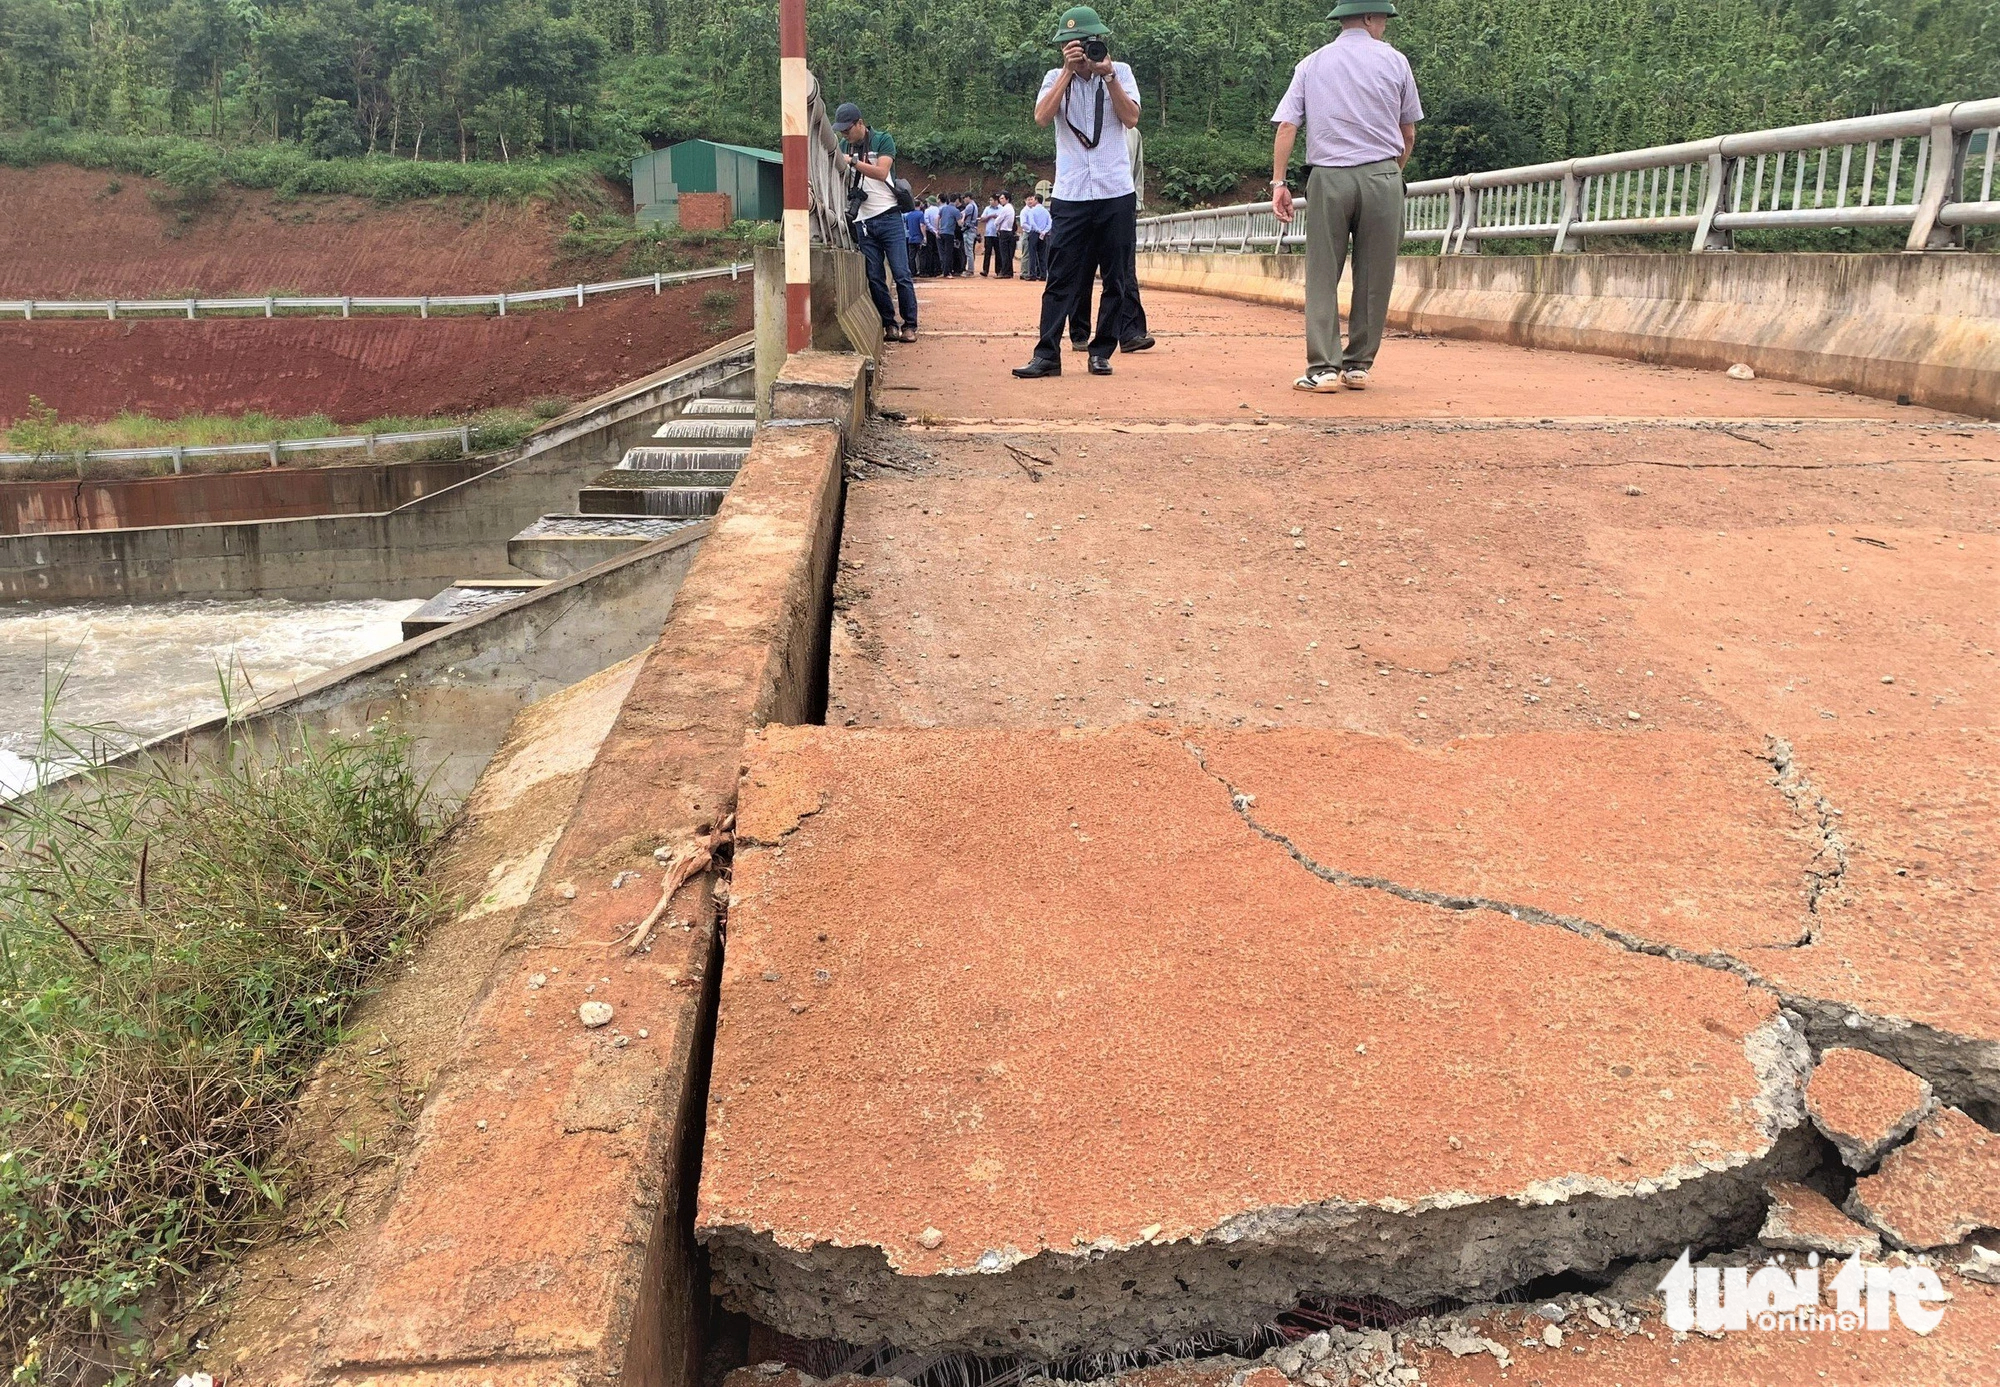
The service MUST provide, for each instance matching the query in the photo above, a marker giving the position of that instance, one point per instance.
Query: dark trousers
(992, 244)
(1006, 240)
(885, 246)
(1097, 234)
(947, 253)
(1036, 255)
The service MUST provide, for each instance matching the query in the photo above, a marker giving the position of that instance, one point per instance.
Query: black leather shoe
(1100, 365)
(1038, 368)
(1137, 344)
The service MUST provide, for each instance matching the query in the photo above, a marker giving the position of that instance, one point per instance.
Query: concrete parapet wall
(1922, 326)
(539, 1222)
(412, 551)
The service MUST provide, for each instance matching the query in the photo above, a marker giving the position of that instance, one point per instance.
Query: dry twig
(689, 861)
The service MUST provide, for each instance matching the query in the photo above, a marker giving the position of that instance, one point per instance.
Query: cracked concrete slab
(1030, 1042)
(1675, 840)
(1942, 1186)
(1863, 1104)
(1855, 877)
(1905, 958)
(1801, 1219)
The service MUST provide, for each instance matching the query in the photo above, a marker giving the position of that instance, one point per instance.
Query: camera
(1095, 48)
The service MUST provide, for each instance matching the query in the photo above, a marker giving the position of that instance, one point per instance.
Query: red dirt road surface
(357, 369)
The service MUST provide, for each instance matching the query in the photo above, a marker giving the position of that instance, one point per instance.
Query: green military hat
(1348, 8)
(1079, 21)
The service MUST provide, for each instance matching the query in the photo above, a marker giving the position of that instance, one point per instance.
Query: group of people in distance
(946, 234)
(1355, 99)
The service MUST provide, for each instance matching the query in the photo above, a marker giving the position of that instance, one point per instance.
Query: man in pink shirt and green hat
(1357, 100)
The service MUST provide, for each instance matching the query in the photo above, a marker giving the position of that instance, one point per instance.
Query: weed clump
(178, 945)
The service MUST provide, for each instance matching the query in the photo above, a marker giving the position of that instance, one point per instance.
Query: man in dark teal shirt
(878, 226)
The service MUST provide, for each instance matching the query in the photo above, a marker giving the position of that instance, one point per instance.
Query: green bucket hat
(1349, 8)
(1080, 21)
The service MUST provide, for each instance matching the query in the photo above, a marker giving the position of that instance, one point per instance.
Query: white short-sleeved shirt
(1082, 173)
(1352, 97)
(1003, 218)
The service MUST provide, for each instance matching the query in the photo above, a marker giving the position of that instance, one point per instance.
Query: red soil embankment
(65, 235)
(357, 369)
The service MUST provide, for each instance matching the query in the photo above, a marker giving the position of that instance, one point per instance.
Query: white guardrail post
(1947, 147)
(1566, 217)
(1722, 173)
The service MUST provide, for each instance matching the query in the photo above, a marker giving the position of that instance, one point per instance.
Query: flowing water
(145, 670)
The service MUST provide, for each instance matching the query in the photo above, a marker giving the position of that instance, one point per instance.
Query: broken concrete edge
(1937, 1189)
(1921, 327)
(1964, 1071)
(471, 1263)
(1801, 1219)
(1865, 1105)
(1256, 1264)
(1620, 1327)
(1137, 1298)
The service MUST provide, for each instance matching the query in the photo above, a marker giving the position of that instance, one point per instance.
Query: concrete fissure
(1829, 863)
(1965, 1070)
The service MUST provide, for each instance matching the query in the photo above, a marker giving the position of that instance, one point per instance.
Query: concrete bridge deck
(1395, 844)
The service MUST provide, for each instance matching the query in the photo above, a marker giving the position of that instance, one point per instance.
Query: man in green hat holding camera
(1094, 213)
(1358, 102)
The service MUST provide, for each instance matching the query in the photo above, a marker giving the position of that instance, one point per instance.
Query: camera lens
(1096, 49)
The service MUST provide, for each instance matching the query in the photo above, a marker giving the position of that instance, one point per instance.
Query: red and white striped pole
(794, 84)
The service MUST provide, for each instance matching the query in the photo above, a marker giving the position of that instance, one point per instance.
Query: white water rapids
(149, 669)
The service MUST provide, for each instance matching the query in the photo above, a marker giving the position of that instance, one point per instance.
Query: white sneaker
(1323, 382)
(1354, 380)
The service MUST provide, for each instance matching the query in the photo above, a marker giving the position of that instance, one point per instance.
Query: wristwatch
(1278, 183)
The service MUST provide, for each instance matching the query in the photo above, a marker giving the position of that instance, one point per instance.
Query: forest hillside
(514, 80)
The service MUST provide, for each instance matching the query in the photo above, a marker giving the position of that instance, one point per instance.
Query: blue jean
(884, 238)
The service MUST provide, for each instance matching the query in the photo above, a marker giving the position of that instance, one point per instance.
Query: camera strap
(1097, 127)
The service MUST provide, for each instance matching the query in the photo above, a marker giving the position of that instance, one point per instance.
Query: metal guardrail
(826, 181)
(275, 449)
(1931, 170)
(346, 305)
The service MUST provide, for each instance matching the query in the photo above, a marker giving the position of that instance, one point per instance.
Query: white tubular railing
(345, 305)
(1930, 170)
(275, 449)
(826, 180)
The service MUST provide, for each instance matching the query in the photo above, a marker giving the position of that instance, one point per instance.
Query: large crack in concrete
(1829, 862)
(1965, 1071)
(1115, 1296)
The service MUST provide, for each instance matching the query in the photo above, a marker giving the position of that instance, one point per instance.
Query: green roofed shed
(753, 178)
